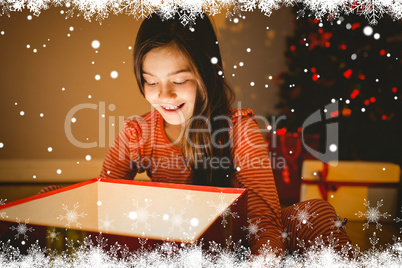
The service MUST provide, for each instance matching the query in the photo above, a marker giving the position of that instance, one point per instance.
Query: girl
(193, 136)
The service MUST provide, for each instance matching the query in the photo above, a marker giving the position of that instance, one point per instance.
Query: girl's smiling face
(169, 84)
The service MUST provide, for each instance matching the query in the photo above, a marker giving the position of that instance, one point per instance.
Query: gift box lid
(352, 171)
(129, 208)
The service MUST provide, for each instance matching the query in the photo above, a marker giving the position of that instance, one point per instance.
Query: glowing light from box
(58, 171)
(49, 149)
(88, 157)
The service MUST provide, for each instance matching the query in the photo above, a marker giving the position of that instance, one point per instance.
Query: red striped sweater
(142, 146)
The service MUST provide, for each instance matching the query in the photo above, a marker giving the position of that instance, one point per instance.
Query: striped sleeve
(118, 163)
(253, 172)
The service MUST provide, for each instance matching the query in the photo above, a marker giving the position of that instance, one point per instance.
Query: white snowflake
(221, 206)
(3, 214)
(248, 5)
(372, 10)
(141, 214)
(106, 224)
(139, 9)
(188, 14)
(188, 196)
(338, 223)
(253, 229)
(303, 216)
(284, 236)
(21, 228)
(52, 234)
(176, 220)
(397, 220)
(372, 215)
(71, 216)
(142, 241)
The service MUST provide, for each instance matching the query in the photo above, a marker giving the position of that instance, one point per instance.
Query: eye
(180, 83)
(150, 83)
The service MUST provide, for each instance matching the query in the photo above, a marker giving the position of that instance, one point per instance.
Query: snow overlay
(373, 10)
(22, 229)
(222, 206)
(303, 216)
(373, 214)
(71, 216)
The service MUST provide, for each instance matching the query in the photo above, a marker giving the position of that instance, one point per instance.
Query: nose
(167, 94)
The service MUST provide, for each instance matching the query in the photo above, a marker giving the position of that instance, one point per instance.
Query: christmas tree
(358, 66)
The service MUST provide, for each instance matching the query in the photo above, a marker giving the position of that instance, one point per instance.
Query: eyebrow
(170, 74)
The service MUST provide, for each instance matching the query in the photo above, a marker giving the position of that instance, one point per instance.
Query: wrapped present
(354, 188)
(128, 212)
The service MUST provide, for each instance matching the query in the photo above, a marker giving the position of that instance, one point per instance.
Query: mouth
(172, 108)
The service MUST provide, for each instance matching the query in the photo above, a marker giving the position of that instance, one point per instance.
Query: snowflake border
(373, 10)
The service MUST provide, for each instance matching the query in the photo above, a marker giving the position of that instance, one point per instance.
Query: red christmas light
(355, 25)
(347, 73)
(366, 102)
(382, 52)
(342, 46)
(315, 77)
(354, 93)
(346, 112)
(362, 77)
(384, 117)
(285, 174)
(316, 21)
(299, 129)
(321, 30)
(292, 47)
(334, 114)
(313, 69)
(327, 44)
(281, 131)
(372, 99)
(394, 89)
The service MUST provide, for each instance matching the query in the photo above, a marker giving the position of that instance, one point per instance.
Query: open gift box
(128, 211)
(347, 184)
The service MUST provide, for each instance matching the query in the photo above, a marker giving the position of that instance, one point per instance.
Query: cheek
(149, 95)
(191, 93)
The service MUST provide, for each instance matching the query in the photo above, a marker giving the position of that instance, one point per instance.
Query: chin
(173, 120)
